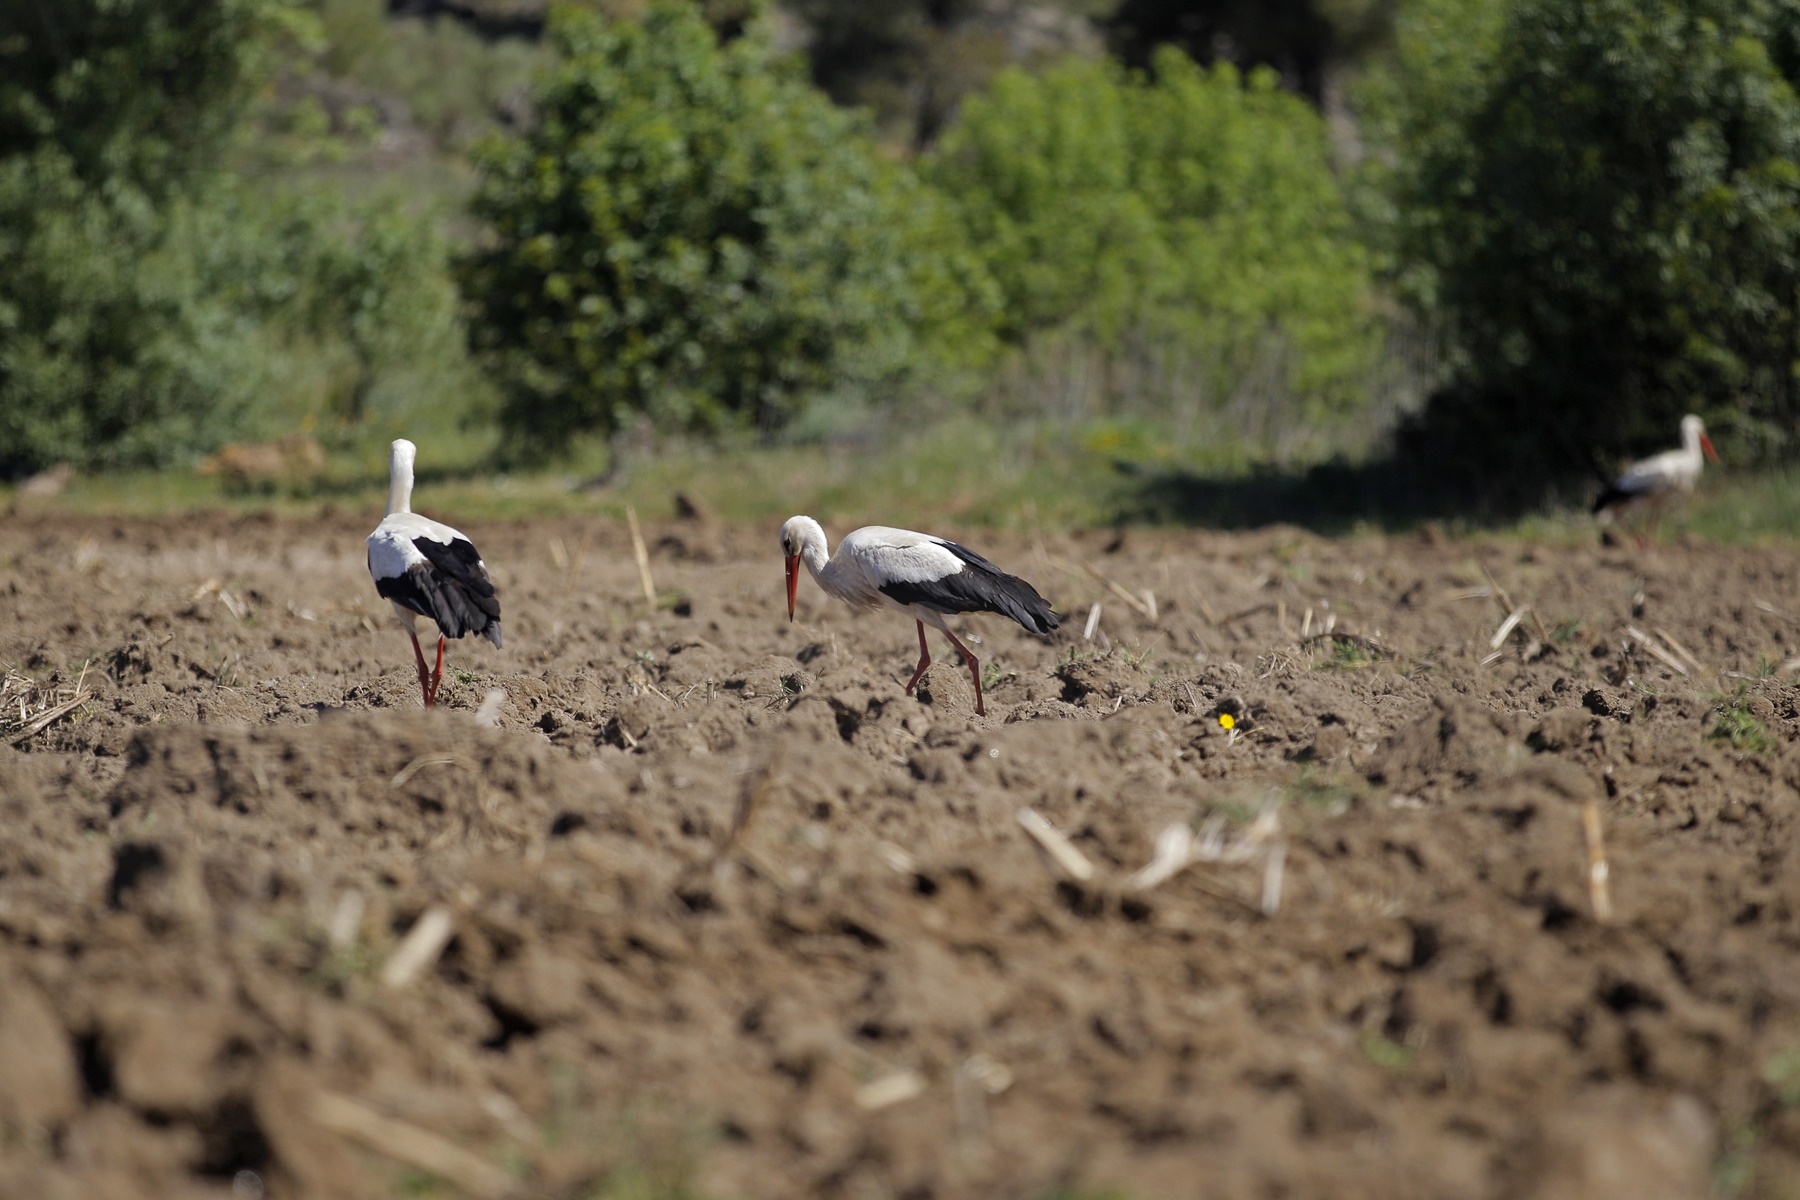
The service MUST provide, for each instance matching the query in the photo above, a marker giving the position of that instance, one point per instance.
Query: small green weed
(1735, 1165)
(420, 1185)
(337, 967)
(1330, 796)
(1735, 724)
(1385, 1052)
(1347, 654)
(1782, 1072)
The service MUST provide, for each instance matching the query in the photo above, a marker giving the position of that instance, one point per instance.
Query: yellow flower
(1227, 721)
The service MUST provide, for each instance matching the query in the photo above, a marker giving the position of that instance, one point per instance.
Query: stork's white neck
(815, 553)
(400, 477)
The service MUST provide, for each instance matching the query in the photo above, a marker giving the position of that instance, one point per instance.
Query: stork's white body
(876, 555)
(424, 568)
(393, 551)
(1651, 481)
(923, 576)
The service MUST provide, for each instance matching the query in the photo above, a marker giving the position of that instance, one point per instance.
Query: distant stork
(428, 569)
(1651, 481)
(922, 576)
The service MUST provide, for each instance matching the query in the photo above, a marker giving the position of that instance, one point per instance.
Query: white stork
(427, 569)
(1653, 480)
(922, 576)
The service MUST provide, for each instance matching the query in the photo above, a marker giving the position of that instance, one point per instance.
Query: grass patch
(1347, 656)
(1346, 653)
(1564, 632)
(1782, 1072)
(1329, 795)
(1385, 1052)
(1734, 1166)
(1747, 507)
(961, 472)
(1742, 729)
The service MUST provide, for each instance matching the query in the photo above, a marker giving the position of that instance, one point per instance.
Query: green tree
(691, 232)
(146, 92)
(112, 344)
(155, 303)
(1607, 206)
(1194, 208)
(911, 62)
(1303, 40)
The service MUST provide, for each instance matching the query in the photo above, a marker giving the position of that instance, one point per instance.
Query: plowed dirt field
(729, 915)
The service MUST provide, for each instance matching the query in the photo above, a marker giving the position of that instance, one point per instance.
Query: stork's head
(1693, 433)
(799, 535)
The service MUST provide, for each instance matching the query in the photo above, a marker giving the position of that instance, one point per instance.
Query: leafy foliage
(1301, 39)
(442, 76)
(911, 62)
(1193, 209)
(690, 232)
(154, 303)
(133, 334)
(144, 91)
(1605, 197)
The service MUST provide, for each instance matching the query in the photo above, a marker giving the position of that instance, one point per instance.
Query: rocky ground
(729, 915)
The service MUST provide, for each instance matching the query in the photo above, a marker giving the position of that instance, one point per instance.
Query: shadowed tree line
(1539, 231)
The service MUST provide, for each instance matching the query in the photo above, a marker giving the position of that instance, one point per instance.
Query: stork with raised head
(925, 577)
(1651, 481)
(427, 569)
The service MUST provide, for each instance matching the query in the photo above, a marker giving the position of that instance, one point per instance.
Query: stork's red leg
(974, 670)
(424, 674)
(437, 676)
(924, 659)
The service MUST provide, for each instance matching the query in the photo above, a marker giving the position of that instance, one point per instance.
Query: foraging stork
(1653, 480)
(922, 576)
(428, 569)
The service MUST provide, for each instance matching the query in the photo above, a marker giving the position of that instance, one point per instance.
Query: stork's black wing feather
(451, 587)
(1613, 494)
(979, 587)
(460, 560)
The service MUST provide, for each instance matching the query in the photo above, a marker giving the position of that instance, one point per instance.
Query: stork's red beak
(793, 574)
(1706, 445)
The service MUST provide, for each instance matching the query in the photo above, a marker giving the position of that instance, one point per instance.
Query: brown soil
(735, 917)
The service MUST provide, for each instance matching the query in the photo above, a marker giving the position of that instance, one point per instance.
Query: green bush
(146, 92)
(449, 78)
(1605, 200)
(155, 304)
(1193, 211)
(141, 334)
(692, 233)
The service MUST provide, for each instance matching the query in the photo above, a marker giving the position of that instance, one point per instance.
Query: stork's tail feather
(1611, 496)
(1021, 602)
